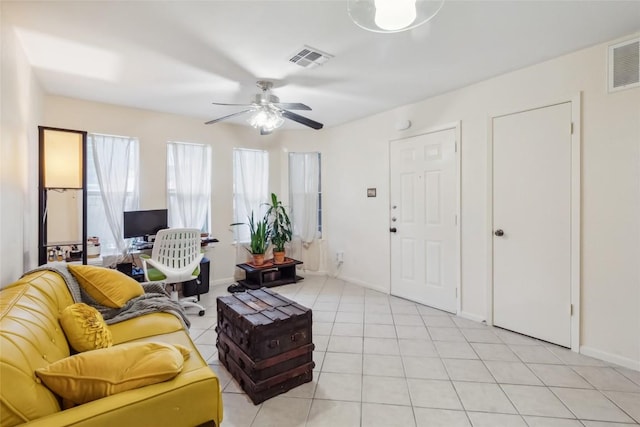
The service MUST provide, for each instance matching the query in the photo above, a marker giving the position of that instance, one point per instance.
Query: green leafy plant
(259, 234)
(280, 229)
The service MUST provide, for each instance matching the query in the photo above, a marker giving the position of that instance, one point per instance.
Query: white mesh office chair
(175, 258)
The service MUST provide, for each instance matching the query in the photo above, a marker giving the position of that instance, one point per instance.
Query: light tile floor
(385, 361)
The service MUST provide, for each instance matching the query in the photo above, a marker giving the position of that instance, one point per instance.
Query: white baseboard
(226, 281)
(313, 273)
(470, 316)
(363, 284)
(611, 358)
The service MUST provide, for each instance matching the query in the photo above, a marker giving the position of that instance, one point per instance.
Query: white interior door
(424, 245)
(532, 223)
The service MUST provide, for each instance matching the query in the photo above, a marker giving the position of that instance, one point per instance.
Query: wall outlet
(339, 257)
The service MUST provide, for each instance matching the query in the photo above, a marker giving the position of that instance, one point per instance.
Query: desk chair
(175, 258)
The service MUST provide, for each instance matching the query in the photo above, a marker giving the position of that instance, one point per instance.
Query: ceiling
(179, 56)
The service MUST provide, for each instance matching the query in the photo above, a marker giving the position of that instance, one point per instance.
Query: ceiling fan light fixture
(392, 16)
(268, 113)
(266, 118)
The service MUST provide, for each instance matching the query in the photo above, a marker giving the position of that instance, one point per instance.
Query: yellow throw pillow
(95, 374)
(108, 287)
(85, 328)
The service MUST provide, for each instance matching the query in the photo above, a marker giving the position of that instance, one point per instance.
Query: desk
(269, 274)
(133, 269)
(201, 285)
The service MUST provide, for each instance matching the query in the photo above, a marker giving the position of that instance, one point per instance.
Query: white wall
(20, 114)
(154, 130)
(355, 156)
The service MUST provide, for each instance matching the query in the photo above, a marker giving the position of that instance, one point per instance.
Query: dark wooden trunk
(263, 323)
(264, 341)
(260, 391)
(265, 368)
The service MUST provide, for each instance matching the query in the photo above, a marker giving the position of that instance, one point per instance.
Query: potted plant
(259, 234)
(279, 227)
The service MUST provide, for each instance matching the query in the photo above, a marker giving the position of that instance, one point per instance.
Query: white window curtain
(250, 188)
(112, 188)
(189, 185)
(304, 188)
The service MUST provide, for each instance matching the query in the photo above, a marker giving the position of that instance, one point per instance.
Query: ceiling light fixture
(392, 16)
(266, 118)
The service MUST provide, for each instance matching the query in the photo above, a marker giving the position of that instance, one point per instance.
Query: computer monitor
(144, 223)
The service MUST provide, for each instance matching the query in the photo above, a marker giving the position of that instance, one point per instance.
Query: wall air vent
(310, 57)
(624, 65)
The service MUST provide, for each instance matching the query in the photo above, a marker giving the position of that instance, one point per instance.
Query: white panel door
(424, 245)
(532, 223)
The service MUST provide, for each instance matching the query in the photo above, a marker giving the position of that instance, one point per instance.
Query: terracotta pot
(278, 257)
(258, 259)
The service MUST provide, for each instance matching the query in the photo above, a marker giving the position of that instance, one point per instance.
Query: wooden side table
(269, 274)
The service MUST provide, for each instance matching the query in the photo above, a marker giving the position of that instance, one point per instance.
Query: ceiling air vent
(624, 65)
(309, 57)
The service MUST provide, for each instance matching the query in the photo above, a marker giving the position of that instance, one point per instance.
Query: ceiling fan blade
(232, 105)
(302, 120)
(226, 117)
(292, 106)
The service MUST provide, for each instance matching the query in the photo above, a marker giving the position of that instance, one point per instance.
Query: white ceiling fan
(268, 112)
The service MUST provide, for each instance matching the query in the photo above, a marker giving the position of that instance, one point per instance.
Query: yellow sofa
(31, 338)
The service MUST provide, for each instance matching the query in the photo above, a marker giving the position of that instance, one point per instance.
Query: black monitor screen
(144, 223)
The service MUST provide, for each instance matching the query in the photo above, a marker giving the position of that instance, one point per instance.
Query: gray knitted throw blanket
(154, 300)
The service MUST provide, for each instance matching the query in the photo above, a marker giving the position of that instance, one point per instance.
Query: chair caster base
(201, 313)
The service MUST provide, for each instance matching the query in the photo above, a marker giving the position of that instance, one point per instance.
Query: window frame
(241, 234)
(172, 190)
(290, 157)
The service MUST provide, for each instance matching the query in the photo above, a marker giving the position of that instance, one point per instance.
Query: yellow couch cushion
(85, 328)
(94, 374)
(149, 325)
(108, 287)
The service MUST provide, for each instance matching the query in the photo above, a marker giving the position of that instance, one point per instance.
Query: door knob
(499, 233)
(393, 230)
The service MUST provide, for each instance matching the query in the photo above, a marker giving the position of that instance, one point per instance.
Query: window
(189, 185)
(305, 195)
(250, 187)
(112, 188)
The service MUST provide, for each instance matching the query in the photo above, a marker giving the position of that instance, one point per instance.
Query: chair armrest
(145, 258)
